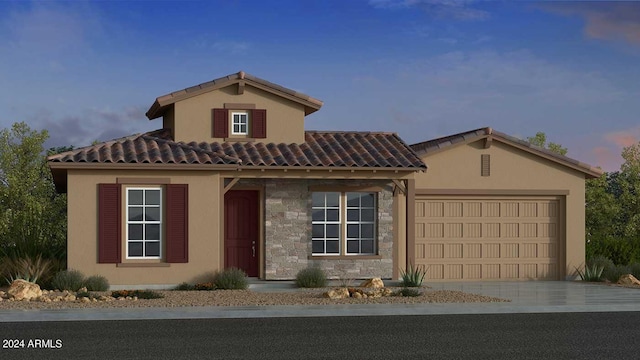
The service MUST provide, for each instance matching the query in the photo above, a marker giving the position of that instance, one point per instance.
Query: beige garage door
(480, 238)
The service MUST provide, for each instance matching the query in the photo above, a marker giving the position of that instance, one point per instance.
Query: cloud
(46, 27)
(449, 9)
(92, 124)
(624, 138)
(606, 20)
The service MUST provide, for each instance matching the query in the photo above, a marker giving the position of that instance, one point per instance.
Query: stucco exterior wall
(459, 168)
(287, 230)
(204, 244)
(194, 121)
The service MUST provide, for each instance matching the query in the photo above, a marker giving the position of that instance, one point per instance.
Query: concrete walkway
(526, 297)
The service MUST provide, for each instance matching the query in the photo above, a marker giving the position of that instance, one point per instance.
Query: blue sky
(88, 71)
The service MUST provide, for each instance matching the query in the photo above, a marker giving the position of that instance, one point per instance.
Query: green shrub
(312, 277)
(634, 269)
(71, 280)
(409, 292)
(230, 279)
(96, 283)
(140, 294)
(591, 273)
(185, 286)
(413, 276)
(613, 273)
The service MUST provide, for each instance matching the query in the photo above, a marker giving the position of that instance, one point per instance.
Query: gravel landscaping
(174, 298)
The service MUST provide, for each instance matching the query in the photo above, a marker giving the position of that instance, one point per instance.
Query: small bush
(613, 273)
(204, 286)
(71, 280)
(230, 279)
(185, 286)
(96, 283)
(591, 273)
(635, 269)
(409, 292)
(312, 277)
(34, 269)
(413, 276)
(140, 294)
(80, 294)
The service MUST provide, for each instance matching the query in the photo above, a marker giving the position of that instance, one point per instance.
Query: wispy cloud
(451, 9)
(92, 124)
(45, 27)
(605, 20)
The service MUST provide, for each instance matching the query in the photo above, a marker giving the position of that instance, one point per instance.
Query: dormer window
(240, 123)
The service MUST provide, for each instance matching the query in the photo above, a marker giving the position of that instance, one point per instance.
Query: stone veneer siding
(287, 230)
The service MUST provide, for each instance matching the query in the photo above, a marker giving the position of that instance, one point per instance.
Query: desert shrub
(413, 276)
(204, 286)
(591, 272)
(230, 279)
(613, 273)
(185, 286)
(634, 269)
(312, 277)
(80, 294)
(140, 294)
(32, 269)
(70, 279)
(96, 283)
(409, 292)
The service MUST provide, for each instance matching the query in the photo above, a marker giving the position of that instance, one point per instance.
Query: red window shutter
(220, 123)
(258, 123)
(109, 220)
(177, 210)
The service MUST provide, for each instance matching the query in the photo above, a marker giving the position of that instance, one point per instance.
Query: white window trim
(343, 222)
(240, 124)
(143, 222)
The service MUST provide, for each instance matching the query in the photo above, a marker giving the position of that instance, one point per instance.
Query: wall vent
(485, 165)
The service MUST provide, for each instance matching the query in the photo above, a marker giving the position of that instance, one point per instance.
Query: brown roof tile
(320, 149)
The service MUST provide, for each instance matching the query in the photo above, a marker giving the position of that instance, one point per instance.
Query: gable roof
(163, 102)
(433, 146)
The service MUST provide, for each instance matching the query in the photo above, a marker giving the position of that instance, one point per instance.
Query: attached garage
(493, 207)
(488, 238)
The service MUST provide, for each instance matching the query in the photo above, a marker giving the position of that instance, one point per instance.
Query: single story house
(232, 179)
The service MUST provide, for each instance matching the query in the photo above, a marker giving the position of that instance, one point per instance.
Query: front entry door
(242, 231)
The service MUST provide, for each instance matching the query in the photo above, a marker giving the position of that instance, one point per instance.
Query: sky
(88, 71)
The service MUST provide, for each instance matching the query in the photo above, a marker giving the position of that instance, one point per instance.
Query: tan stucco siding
(459, 169)
(193, 116)
(204, 241)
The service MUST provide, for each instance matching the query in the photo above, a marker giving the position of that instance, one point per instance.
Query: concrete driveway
(525, 296)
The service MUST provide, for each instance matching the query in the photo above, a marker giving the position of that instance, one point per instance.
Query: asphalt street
(498, 336)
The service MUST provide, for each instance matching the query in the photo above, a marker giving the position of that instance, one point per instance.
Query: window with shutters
(239, 123)
(144, 223)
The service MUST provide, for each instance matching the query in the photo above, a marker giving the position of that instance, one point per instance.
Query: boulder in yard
(24, 290)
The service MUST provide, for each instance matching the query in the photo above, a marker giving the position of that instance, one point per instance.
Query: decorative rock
(83, 290)
(373, 283)
(339, 293)
(85, 299)
(2, 294)
(24, 290)
(628, 279)
(357, 295)
(69, 297)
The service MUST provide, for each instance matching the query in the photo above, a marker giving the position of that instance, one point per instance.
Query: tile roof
(320, 149)
(439, 144)
(159, 106)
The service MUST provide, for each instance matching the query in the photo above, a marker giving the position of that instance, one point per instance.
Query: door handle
(253, 248)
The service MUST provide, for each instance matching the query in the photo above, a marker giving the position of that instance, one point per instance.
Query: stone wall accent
(287, 230)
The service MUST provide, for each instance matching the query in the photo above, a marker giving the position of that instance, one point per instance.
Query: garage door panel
(476, 239)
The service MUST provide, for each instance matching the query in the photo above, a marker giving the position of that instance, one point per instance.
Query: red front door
(241, 230)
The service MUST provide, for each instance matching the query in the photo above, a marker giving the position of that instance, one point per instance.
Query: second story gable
(237, 107)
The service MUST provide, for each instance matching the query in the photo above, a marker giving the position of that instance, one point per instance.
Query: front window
(144, 223)
(239, 123)
(344, 223)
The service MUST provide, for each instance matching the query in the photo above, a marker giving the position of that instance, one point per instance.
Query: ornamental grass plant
(312, 277)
